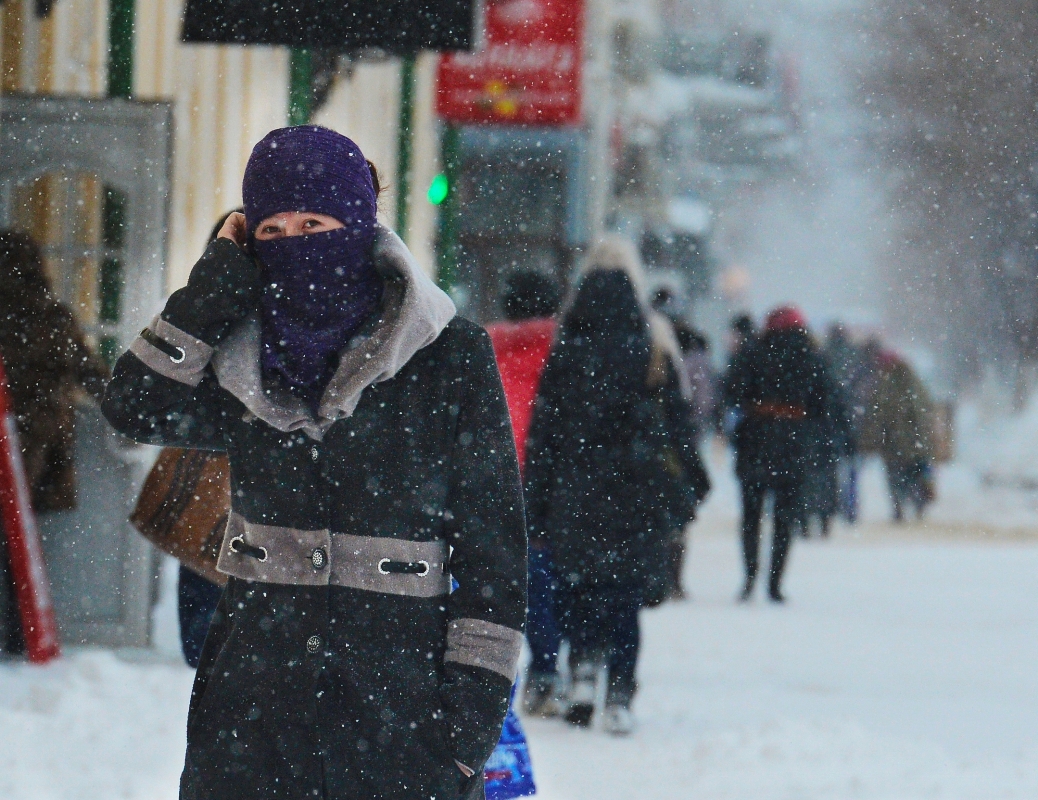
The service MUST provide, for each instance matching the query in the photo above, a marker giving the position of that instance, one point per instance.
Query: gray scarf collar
(414, 313)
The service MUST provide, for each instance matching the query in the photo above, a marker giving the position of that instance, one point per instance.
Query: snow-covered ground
(903, 667)
(900, 668)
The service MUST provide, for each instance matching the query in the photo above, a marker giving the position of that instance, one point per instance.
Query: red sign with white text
(528, 71)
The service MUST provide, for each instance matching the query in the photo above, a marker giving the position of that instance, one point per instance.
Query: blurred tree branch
(953, 88)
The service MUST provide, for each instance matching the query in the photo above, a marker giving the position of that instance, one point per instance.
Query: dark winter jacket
(592, 470)
(780, 386)
(338, 665)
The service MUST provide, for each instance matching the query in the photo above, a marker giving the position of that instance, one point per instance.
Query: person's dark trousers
(899, 478)
(196, 602)
(848, 469)
(542, 631)
(787, 512)
(676, 547)
(602, 620)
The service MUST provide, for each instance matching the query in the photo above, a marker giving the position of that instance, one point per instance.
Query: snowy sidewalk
(903, 667)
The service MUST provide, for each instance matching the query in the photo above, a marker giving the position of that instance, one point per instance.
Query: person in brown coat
(898, 426)
(47, 362)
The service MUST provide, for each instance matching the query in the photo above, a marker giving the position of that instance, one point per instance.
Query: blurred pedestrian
(686, 483)
(371, 460)
(849, 365)
(702, 378)
(741, 333)
(779, 385)
(829, 442)
(522, 343)
(594, 476)
(47, 362)
(899, 427)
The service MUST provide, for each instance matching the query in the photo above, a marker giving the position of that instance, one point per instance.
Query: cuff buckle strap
(176, 354)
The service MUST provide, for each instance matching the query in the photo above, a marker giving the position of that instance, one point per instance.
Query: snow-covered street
(902, 667)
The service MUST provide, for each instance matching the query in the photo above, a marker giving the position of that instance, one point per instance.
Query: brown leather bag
(183, 508)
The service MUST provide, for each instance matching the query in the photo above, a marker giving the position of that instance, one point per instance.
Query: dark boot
(581, 705)
(752, 508)
(747, 590)
(542, 695)
(779, 552)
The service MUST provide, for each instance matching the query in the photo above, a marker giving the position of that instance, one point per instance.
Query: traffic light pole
(300, 91)
(447, 251)
(405, 144)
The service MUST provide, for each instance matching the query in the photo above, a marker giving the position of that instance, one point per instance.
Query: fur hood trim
(414, 313)
(614, 251)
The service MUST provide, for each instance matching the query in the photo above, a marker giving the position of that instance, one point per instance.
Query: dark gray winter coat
(338, 665)
(593, 473)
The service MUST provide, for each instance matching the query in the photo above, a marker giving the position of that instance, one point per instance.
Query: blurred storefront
(517, 149)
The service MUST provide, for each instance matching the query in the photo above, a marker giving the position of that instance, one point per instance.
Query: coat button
(313, 453)
(319, 558)
(313, 644)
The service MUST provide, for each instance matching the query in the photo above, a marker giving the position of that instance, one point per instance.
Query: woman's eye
(311, 223)
(271, 229)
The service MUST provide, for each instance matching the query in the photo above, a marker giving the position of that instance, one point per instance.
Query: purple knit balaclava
(321, 287)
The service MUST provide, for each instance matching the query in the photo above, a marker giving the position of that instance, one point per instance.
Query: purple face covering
(321, 288)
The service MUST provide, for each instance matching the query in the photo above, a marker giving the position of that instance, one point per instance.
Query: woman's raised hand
(224, 287)
(234, 229)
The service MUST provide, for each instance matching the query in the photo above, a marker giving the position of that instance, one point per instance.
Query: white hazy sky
(815, 237)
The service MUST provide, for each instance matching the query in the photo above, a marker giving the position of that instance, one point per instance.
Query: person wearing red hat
(780, 386)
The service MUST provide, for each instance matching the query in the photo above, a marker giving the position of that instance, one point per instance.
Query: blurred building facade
(224, 99)
(679, 109)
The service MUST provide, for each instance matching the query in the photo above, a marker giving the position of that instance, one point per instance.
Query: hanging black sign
(397, 26)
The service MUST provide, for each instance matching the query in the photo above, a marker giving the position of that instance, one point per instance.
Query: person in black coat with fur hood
(371, 462)
(597, 491)
(779, 384)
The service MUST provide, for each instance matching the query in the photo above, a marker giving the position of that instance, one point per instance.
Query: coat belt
(275, 554)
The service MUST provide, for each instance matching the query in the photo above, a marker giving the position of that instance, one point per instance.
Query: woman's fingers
(234, 229)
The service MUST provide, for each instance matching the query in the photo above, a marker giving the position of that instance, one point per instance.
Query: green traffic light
(438, 189)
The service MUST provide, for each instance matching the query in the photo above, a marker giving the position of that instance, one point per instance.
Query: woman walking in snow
(780, 386)
(371, 460)
(594, 477)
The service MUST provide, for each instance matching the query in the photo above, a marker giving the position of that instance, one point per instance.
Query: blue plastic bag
(508, 772)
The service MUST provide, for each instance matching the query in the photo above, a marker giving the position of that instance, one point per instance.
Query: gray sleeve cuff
(477, 643)
(182, 357)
